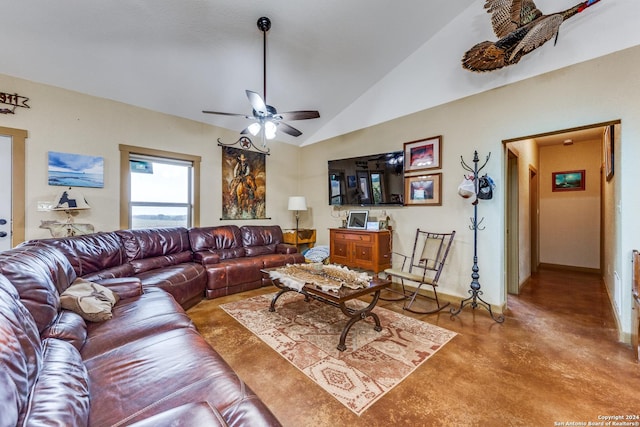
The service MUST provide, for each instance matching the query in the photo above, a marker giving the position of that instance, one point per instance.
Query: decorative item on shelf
(466, 191)
(521, 28)
(297, 204)
(70, 201)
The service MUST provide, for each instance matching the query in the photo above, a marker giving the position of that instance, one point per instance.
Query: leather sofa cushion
(190, 414)
(230, 253)
(176, 365)
(146, 264)
(206, 258)
(20, 357)
(277, 260)
(183, 281)
(154, 242)
(31, 270)
(215, 238)
(125, 287)
(134, 318)
(68, 326)
(260, 239)
(61, 393)
(261, 250)
(89, 253)
(118, 271)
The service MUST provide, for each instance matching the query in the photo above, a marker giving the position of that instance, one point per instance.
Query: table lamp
(297, 203)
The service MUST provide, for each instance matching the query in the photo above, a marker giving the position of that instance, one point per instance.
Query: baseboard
(524, 283)
(444, 297)
(560, 267)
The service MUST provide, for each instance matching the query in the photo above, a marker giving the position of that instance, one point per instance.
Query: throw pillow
(91, 301)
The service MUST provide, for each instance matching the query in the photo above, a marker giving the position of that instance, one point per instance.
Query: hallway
(555, 359)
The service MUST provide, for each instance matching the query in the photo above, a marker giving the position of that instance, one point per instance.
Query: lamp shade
(297, 203)
(69, 200)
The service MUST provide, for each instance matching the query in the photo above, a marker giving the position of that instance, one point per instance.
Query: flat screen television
(374, 180)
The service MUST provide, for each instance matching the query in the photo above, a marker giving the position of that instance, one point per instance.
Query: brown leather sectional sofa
(147, 365)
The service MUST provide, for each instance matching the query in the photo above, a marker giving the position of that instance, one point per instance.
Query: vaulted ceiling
(359, 62)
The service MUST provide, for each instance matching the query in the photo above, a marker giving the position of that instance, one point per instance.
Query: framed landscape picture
(423, 190)
(75, 170)
(422, 154)
(568, 181)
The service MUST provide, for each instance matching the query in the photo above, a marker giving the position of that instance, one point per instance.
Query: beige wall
(61, 120)
(570, 220)
(596, 91)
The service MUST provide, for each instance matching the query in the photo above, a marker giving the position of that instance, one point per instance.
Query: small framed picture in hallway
(568, 181)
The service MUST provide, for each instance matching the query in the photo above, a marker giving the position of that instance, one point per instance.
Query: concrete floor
(554, 360)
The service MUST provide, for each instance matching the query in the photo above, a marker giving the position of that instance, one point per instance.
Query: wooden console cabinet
(369, 250)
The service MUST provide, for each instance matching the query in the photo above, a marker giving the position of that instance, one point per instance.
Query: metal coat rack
(475, 300)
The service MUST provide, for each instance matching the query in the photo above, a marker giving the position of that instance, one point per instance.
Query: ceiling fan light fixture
(270, 130)
(266, 118)
(254, 128)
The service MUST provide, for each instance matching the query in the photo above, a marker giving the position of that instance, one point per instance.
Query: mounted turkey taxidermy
(521, 28)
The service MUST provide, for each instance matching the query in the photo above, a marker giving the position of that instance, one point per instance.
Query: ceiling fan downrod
(264, 24)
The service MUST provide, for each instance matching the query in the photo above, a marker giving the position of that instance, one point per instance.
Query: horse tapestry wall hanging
(243, 184)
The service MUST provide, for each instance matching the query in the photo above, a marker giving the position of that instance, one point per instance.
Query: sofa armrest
(286, 248)
(125, 287)
(206, 258)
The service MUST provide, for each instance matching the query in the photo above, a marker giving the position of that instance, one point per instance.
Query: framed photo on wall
(423, 154)
(423, 190)
(568, 180)
(75, 170)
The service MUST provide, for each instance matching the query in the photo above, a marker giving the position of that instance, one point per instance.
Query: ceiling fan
(265, 117)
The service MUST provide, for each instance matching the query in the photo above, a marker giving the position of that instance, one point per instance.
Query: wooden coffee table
(338, 299)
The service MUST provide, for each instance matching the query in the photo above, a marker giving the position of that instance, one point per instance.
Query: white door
(5, 192)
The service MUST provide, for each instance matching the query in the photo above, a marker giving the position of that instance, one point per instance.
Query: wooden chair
(423, 267)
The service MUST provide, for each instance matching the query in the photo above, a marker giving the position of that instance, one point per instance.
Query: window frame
(126, 152)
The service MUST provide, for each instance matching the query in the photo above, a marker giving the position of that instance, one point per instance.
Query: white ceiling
(180, 57)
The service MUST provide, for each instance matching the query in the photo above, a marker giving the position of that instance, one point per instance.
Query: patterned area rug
(307, 334)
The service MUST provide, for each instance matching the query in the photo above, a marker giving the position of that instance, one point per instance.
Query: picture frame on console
(423, 190)
(357, 220)
(423, 154)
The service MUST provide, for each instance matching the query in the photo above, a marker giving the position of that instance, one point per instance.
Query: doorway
(529, 204)
(12, 196)
(534, 218)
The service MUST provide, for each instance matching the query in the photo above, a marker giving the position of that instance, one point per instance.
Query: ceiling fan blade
(300, 115)
(288, 129)
(257, 102)
(224, 114)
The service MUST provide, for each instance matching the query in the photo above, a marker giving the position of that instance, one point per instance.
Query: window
(158, 189)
